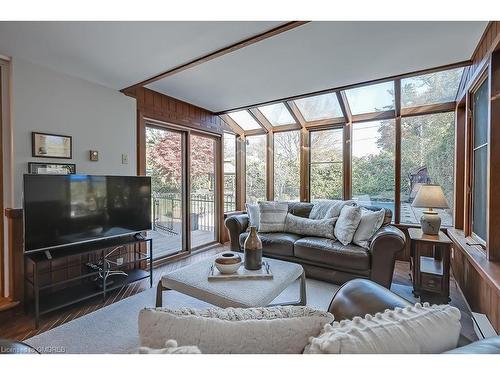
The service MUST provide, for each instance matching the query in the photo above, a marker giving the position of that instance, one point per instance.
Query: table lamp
(430, 196)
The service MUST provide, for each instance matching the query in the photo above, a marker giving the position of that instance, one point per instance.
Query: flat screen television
(62, 210)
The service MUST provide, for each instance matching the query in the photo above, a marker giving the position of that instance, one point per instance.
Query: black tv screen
(61, 210)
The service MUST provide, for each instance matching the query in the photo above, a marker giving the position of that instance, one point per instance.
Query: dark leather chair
(360, 297)
(323, 258)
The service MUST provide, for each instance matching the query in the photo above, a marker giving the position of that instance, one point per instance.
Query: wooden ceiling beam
(428, 109)
(232, 124)
(295, 112)
(344, 106)
(261, 119)
(220, 52)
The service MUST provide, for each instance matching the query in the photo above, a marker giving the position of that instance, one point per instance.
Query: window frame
(484, 77)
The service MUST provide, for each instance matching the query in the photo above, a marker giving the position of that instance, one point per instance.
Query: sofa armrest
(359, 297)
(386, 243)
(236, 225)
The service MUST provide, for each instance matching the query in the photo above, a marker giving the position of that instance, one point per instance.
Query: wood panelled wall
(165, 108)
(481, 54)
(478, 271)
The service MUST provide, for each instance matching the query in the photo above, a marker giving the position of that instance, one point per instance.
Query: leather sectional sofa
(323, 258)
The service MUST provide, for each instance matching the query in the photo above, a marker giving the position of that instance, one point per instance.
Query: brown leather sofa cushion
(302, 209)
(332, 253)
(275, 243)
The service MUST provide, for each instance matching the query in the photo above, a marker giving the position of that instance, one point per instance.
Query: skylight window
(319, 107)
(277, 114)
(244, 120)
(369, 99)
(432, 88)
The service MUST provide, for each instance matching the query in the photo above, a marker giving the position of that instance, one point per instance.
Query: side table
(430, 265)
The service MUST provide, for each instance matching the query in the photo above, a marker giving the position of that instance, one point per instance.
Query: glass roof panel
(373, 98)
(245, 120)
(432, 88)
(319, 107)
(277, 114)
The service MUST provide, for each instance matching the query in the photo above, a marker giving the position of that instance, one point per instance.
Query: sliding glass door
(203, 190)
(182, 166)
(165, 163)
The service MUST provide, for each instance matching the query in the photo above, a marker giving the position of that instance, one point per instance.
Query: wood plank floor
(20, 326)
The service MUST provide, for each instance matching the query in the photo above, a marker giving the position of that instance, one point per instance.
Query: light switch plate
(124, 158)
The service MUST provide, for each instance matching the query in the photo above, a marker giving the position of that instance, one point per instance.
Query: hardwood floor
(18, 325)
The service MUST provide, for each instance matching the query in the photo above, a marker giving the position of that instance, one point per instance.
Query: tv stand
(60, 277)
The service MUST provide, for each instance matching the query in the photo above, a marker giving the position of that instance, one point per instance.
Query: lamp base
(430, 222)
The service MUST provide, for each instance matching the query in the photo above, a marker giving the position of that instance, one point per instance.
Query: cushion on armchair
(418, 329)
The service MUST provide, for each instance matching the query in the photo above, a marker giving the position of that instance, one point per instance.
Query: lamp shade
(430, 196)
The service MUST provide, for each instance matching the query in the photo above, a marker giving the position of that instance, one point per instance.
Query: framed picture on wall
(51, 145)
(51, 168)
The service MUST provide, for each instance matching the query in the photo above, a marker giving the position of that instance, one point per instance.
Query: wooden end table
(430, 265)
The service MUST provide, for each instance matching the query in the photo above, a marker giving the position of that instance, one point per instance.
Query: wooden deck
(165, 243)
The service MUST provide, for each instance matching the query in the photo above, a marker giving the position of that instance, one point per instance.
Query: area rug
(114, 329)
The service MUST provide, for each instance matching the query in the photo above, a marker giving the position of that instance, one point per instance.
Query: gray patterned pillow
(310, 227)
(272, 216)
(347, 223)
(327, 208)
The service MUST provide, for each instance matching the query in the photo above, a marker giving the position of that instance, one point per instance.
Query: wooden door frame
(147, 121)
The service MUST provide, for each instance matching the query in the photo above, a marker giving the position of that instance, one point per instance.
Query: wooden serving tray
(242, 274)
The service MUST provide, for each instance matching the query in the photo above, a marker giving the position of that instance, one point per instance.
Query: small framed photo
(51, 168)
(51, 145)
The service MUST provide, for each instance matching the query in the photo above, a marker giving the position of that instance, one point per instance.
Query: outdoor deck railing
(167, 210)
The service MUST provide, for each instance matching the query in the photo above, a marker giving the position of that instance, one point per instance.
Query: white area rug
(113, 329)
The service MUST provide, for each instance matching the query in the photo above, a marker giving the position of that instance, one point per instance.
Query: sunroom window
(245, 120)
(373, 98)
(319, 107)
(373, 163)
(432, 88)
(277, 114)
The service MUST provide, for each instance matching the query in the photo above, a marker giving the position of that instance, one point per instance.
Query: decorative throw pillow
(370, 223)
(310, 227)
(272, 216)
(253, 215)
(412, 330)
(328, 208)
(267, 330)
(170, 348)
(347, 223)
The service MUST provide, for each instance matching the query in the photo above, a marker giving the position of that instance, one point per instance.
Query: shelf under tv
(66, 279)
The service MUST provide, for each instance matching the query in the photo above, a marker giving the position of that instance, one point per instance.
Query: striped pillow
(272, 216)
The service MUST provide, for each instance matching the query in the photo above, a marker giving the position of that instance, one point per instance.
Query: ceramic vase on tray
(253, 250)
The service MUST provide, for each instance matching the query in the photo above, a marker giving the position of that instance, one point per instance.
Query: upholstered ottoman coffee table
(193, 281)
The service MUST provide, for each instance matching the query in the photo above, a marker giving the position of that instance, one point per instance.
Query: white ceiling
(321, 55)
(315, 56)
(120, 54)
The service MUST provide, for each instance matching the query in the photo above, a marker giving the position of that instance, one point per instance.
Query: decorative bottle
(253, 250)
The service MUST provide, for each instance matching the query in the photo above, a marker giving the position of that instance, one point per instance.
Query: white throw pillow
(412, 330)
(370, 223)
(253, 215)
(347, 223)
(272, 330)
(310, 227)
(272, 216)
(327, 208)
